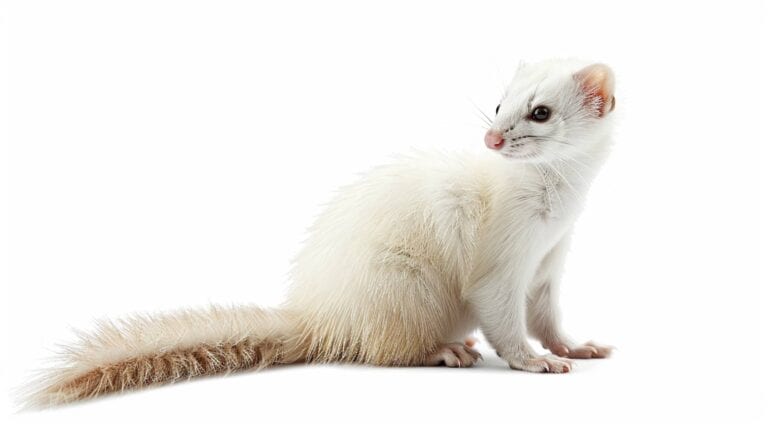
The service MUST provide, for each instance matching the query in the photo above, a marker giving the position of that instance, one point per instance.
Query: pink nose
(494, 140)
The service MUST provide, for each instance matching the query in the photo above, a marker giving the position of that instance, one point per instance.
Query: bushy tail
(146, 350)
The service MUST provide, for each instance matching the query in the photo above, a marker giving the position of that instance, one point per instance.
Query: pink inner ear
(597, 82)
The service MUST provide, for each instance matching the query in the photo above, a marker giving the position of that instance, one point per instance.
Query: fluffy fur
(404, 263)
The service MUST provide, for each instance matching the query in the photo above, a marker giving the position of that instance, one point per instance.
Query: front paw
(588, 350)
(549, 364)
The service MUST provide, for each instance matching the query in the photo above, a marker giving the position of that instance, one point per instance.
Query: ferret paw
(548, 364)
(588, 350)
(454, 355)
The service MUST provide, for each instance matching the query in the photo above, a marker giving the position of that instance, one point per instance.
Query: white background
(162, 154)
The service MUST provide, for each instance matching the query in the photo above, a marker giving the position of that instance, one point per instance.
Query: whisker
(552, 139)
(549, 188)
(572, 149)
(486, 116)
(568, 183)
(565, 159)
(487, 119)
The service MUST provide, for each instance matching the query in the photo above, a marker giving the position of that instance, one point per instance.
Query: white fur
(141, 335)
(448, 242)
(406, 261)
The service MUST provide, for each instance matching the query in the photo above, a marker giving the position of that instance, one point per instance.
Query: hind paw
(586, 351)
(547, 364)
(453, 355)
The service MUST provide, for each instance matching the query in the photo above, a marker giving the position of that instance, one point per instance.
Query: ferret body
(404, 264)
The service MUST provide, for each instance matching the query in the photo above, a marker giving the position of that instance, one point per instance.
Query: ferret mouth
(518, 148)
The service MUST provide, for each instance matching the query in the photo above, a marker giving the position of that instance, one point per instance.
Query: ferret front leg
(543, 312)
(498, 300)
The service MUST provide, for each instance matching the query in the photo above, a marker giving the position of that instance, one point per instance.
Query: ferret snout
(494, 140)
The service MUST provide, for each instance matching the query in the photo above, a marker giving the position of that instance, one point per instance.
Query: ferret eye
(497, 108)
(540, 114)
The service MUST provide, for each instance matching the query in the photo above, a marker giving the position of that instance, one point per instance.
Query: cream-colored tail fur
(146, 350)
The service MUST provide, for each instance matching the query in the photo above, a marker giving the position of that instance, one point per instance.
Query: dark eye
(497, 108)
(540, 114)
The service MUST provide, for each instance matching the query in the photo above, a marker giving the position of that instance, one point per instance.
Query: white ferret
(404, 264)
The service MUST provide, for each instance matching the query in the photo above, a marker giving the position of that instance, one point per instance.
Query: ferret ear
(597, 83)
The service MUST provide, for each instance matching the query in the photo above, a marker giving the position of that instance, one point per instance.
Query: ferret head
(553, 110)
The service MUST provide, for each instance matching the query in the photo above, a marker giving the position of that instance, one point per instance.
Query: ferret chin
(403, 264)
